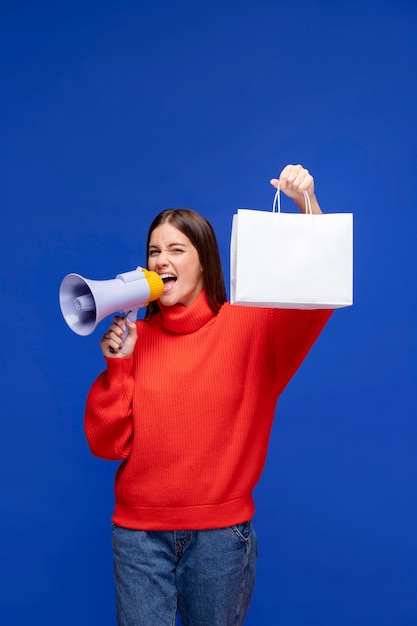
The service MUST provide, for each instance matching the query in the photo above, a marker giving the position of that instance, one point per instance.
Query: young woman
(187, 403)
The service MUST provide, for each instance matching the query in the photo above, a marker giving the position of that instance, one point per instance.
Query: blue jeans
(207, 575)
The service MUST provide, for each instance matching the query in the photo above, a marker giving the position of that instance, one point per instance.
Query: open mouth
(169, 281)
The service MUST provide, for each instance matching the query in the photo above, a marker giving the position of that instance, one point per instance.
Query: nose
(163, 258)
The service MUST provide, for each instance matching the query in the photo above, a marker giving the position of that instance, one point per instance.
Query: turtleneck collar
(186, 319)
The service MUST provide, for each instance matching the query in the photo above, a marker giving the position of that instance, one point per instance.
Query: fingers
(294, 178)
(112, 342)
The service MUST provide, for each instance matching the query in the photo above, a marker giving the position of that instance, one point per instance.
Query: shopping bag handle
(276, 206)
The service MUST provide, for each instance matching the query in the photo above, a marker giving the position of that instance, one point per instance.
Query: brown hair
(201, 234)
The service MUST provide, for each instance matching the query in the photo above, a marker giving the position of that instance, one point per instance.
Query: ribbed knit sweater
(189, 414)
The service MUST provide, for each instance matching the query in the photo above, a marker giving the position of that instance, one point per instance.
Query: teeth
(168, 276)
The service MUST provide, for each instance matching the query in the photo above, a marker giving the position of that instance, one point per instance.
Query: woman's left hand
(294, 180)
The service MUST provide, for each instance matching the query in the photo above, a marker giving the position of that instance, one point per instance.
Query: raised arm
(108, 420)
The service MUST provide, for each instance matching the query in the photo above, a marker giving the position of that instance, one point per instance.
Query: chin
(167, 301)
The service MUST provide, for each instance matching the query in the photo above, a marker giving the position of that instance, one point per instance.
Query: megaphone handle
(132, 317)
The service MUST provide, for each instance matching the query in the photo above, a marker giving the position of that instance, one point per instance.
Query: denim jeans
(207, 575)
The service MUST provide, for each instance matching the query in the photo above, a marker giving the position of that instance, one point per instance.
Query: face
(172, 255)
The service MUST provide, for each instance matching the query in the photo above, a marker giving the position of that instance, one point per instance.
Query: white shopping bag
(292, 261)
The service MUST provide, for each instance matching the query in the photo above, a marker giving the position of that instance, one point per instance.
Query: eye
(177, 250)
(153, 252)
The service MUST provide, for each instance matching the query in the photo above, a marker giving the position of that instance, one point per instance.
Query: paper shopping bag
(294, 261)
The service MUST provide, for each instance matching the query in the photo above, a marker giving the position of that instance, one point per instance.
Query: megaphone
(84, 302)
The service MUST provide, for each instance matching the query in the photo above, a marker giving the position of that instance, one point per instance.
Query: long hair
(201, 234)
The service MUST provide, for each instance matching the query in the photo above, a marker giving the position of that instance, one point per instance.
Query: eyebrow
(171, 245)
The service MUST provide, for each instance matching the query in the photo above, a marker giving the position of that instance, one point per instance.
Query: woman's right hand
(112, 343)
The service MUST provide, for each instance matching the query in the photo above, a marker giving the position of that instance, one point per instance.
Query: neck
(186, 319)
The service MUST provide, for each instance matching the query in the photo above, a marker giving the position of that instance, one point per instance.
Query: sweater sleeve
(108, 419)
(294, 333)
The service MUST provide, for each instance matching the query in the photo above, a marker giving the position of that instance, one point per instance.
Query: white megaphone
(84, 302)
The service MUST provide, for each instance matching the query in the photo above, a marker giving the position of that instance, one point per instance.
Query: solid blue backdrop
(111, 112)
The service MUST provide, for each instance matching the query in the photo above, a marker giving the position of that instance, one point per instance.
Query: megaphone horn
(84, 302)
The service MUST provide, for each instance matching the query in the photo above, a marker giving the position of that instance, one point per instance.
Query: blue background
(112, 111)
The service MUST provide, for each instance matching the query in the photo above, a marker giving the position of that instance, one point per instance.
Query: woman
(187, 403)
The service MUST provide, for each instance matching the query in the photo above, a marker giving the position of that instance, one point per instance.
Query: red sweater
(190, 412)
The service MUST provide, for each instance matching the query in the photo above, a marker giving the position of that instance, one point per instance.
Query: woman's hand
(112, 343)
(294, 180)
